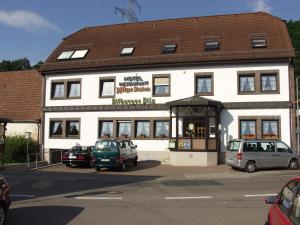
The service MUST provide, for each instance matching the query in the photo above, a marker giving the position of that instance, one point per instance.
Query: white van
(253, 154)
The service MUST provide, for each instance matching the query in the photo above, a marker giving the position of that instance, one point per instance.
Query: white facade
(182, 85)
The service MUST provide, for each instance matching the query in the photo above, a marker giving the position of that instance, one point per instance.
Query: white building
(180, 89)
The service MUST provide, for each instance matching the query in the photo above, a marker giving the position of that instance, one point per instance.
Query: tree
(294, 31)
(15, 65)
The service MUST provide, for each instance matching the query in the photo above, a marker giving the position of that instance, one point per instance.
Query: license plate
(105, 160)
(72, 157)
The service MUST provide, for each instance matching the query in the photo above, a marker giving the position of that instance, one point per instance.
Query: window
(72, 128)
(204, 85)
(259, 43)
(161, 86)
(124, 129)
(107, 87)
(169, 48)
(56, 128)
(281, 147)
(295, 212)
(248, 129)
(65, 55)
(79, 54)
(73, 89)
(286, 198)
(258, 146)
(246, 83)
(127, 51)
(161, 129)
(58, 90)
(64, 128)
(142, 129)
(270, 129)
(106, 128)
(65, 89)
(268, 82)
(211, 45)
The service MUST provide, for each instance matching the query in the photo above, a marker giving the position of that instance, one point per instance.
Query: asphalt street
(156, 194)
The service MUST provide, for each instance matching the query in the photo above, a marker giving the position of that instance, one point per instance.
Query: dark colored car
(4, 199)
(78, 156)
(114, 153)
(285, 209)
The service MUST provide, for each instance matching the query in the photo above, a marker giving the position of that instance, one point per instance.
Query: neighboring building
(20, 102)
(180, 88)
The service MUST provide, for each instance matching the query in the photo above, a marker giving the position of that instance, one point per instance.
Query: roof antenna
(129, 13)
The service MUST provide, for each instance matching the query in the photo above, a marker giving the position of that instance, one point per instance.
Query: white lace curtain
(74, 90)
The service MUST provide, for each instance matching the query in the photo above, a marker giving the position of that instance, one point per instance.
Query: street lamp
(27, 137)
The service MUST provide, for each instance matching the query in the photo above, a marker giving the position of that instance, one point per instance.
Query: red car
(285, 209)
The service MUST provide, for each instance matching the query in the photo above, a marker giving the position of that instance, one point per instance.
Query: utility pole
(129, 13)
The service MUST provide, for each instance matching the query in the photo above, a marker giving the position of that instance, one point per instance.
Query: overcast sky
(33, 28)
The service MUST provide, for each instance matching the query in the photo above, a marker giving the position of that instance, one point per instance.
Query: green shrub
(16, 147)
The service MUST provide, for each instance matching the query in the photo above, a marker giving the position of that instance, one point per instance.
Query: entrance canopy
(194, 101)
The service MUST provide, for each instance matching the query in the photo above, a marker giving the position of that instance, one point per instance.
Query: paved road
(150, 195)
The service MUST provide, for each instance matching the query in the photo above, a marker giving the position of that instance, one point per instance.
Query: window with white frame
(107, 87)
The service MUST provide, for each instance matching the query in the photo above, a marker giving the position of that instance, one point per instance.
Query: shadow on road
(46, 215)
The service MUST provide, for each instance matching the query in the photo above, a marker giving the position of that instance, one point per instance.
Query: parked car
(113, 153)
(285, 209)
(78, 156)
(4, 199)
(253, 154)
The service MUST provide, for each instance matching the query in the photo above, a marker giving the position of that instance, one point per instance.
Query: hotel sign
(133, 84)
(144, 101)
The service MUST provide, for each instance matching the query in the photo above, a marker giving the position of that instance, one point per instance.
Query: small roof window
(169, 48)
(127, 51)
(211, 45)
(259, 43)
(65, 55)
(79, 54)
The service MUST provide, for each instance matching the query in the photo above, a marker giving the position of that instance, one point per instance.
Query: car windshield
(106, 145)
(233, 146)
(79, 149)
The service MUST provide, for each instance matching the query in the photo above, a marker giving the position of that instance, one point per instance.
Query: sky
(34, 28)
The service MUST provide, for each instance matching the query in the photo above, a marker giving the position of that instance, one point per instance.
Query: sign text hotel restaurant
(133, 84)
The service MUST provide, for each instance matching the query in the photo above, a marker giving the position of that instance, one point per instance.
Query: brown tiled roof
(20, 95)
(234, 32)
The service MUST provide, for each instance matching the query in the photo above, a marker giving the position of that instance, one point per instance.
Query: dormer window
(259, 43)
(169, 48)
(65, 55)
(79, 54)
(127, 51)
(211, 45)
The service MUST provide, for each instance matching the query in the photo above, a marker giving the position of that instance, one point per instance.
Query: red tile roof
(21, 95)
(234, 32)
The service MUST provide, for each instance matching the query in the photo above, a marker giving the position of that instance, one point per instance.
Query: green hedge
(15, 149)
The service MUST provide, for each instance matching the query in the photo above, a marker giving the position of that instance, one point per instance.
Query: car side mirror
(271, 200)
(135, 146)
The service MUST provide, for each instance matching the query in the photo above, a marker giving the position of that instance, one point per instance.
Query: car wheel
(294, 164)
(250, 167)
(135, 162)
(68, 165)
(97, 168)
(2, 214)
(123, 167)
